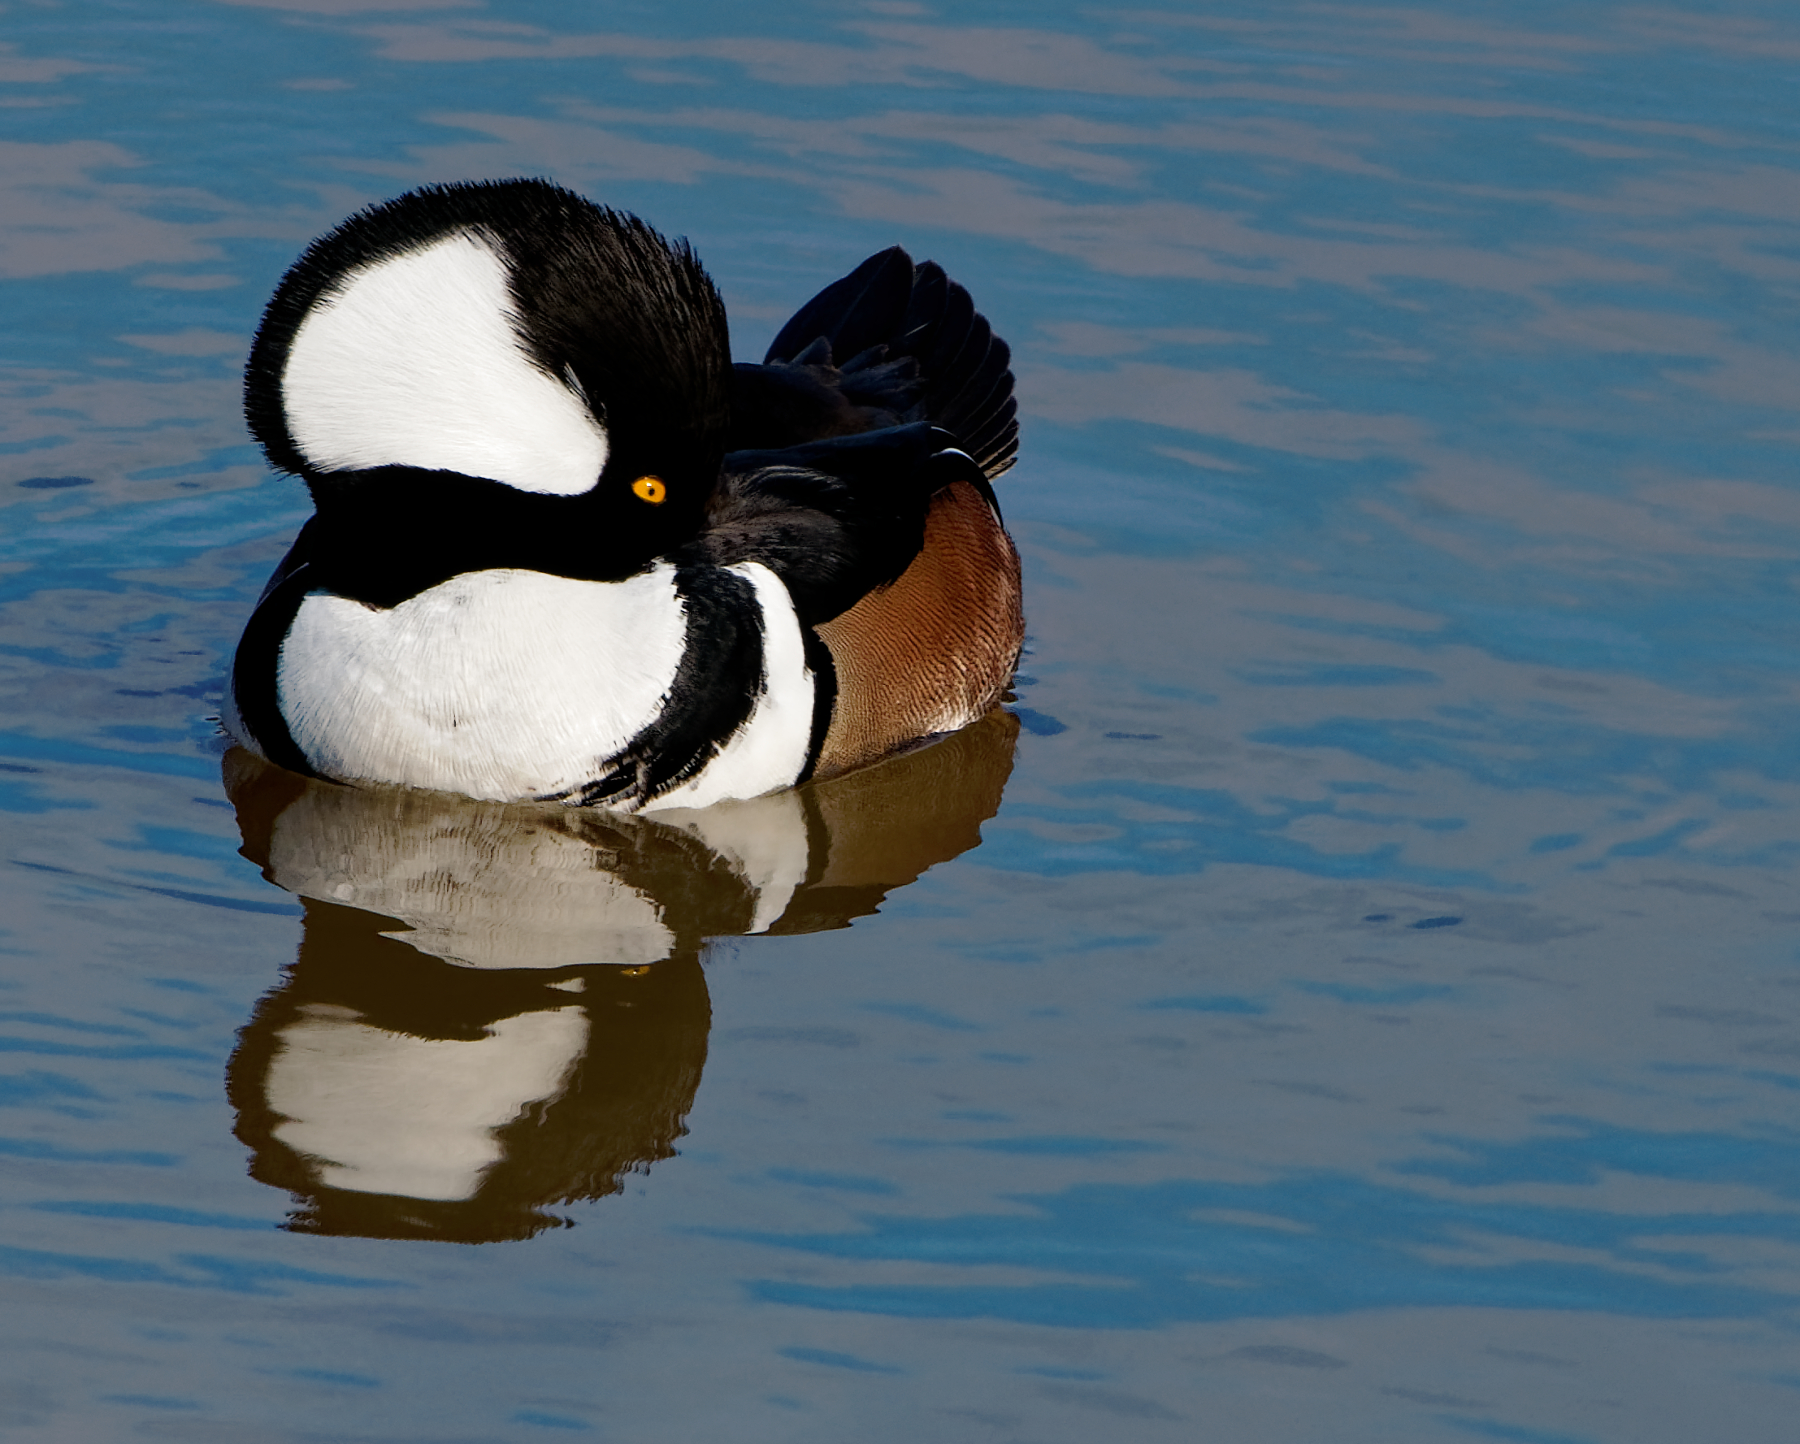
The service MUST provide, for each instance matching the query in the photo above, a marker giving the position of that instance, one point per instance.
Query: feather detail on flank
(935, 650)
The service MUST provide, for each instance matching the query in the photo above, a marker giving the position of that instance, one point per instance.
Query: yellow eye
(650, 489)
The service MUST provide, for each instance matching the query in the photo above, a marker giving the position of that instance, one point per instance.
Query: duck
(564, 550)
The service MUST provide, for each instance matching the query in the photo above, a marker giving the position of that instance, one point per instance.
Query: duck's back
(890, 346)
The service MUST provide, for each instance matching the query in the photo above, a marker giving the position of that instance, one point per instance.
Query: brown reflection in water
(498, 1009)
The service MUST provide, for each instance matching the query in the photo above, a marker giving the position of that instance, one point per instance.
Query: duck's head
(499, 369)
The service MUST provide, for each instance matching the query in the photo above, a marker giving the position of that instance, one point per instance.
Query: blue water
(1370, 1013)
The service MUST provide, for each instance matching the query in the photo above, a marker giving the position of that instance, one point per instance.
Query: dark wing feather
(854, 313)
(888, 345)
(833, 519)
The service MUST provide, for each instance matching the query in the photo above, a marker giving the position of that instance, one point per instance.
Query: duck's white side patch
(769, 750)
(385, 1112)
(413, 361)
(497, 684)
(764, 839)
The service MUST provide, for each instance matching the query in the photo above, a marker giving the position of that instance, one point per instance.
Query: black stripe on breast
(255, 670)
(824, 671)
(717, 684)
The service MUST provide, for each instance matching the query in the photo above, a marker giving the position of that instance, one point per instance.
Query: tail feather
(906, 342)
(853, 314)
(973, 384)
(995, 445)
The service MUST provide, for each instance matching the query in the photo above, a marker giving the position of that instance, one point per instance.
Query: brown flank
(936, 649)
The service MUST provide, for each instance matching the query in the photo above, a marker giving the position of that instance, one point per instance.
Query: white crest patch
(383, 1112)
(413, 361)
(499, 684)
(769, 750)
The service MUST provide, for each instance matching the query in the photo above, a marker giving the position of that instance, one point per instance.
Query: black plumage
(914, 349)
(834, 519)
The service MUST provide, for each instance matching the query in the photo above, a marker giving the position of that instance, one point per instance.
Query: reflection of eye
(650, 489)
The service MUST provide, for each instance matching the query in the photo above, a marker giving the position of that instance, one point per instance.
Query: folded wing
(890, 344)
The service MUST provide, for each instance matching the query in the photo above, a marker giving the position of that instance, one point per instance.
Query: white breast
(496, 684)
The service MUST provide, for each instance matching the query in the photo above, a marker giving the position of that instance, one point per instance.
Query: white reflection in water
(383, 1112)
(500, 1008)
(519, 888)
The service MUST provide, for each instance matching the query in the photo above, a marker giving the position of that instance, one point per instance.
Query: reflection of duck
(564, 550)
(499, 1008)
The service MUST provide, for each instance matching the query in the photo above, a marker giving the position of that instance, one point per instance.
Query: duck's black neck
(384, 535)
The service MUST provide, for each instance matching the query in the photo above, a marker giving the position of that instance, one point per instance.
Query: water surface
(1354, 996)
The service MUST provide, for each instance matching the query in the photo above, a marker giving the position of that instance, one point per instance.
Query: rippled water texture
(1352, 998)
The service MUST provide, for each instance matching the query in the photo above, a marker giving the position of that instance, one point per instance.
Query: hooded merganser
(564, 550)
